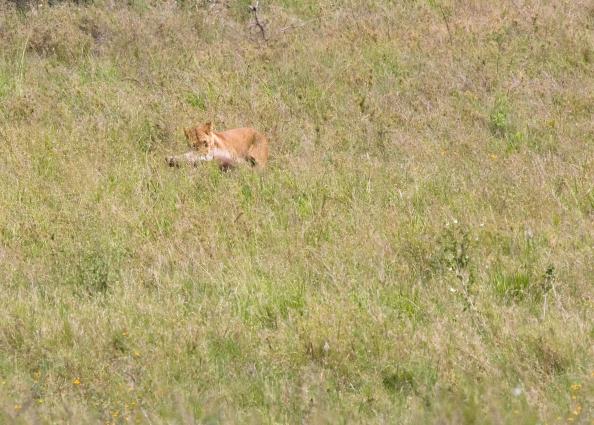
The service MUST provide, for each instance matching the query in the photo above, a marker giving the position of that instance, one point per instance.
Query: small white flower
(517, 391)
(452, 290)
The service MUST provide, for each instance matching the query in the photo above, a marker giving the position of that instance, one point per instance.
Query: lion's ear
(208, 127)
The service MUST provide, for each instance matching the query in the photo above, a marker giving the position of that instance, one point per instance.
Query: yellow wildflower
(76, 381)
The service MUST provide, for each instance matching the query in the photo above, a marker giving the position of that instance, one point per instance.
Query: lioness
(228, 148)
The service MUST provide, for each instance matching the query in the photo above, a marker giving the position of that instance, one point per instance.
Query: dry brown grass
(420, 250)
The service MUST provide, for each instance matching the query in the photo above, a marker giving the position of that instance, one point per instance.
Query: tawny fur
(228, 148)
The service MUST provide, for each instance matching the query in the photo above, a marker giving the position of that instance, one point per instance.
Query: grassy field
(420, 250)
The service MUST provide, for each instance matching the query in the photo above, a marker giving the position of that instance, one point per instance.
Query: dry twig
(258, 23)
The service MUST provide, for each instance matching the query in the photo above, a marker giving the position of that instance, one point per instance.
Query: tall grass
(420, 249)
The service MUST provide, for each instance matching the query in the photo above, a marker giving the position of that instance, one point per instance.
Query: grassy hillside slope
(419, 251)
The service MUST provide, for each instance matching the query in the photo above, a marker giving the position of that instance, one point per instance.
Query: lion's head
(200, 138)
